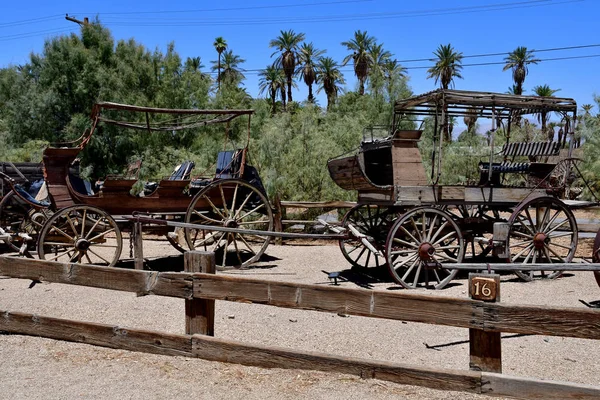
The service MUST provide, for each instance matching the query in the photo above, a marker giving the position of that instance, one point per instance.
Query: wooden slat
(398, 306)
(115, 337)
(171, 284)
(540, 320)
(526, 388)
(318, 204)
(272, 357)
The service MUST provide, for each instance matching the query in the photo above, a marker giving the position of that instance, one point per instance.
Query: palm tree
(377, 73)
(587, 109)
(392, 71)
(330, 79)
(230, 65)
(447, 65)
(220, 45)
(270, 81)
(193, 64)
(470, 119)
(308, 59)
(446, 68)
(287, 43)
(543, 116)
(360, 56)
(517, 60)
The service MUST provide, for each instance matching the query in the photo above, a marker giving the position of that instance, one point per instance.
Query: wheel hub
(230, 223)
(426, 251)
(82, 244)
(539, 240)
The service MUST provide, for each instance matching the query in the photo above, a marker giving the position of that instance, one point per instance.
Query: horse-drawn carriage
(419, 227)
(75, 223)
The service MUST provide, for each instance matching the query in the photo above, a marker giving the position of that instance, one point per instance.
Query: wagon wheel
(16, 216)
(420, 244)
(230, 203)
(542, 230)
(476, 220)
(596, 255)
(80, 234)
(373, 222)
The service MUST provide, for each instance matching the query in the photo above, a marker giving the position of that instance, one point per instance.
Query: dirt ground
(33, 367)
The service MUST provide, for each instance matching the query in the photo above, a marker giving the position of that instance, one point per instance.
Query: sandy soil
(41, 368)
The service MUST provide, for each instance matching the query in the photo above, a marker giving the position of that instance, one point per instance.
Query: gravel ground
(42, 368)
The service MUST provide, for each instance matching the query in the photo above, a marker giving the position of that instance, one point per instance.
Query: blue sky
(410, 30)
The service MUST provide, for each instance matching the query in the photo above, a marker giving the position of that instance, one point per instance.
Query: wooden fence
(201, 290)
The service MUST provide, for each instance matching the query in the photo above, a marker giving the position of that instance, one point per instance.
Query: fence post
(485, 347)
(277, 223)
(199, 313)
(138, 247)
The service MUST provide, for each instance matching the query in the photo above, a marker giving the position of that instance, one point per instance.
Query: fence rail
(206, 287)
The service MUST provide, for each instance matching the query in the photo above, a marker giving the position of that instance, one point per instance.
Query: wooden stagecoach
(418, 226)
(80, 223)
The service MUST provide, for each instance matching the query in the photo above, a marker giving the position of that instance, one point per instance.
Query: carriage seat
(31, 193)
(229, 164)
(181, 172)
(520, 149)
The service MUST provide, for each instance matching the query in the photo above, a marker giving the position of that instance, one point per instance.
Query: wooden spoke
(226, 211)
(98, 236)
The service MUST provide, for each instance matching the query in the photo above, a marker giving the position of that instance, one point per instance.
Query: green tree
(287, 44)
(309, 57)
(518, 61)
(231, 70)
(271, 80)
(220, 46)
(543, 116)
(330, 79)
(379, 57)
(394, 74)
(359, 47)
(448, 65)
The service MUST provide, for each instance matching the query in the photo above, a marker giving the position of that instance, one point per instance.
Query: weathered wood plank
(115, 337)
(398, 306)
(539, 320)
(318, 204)
(171, 284)
(527, 388)
(272, 357)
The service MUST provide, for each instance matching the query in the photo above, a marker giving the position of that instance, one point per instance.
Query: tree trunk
(311, 98)
(219, 73)
(289, 87)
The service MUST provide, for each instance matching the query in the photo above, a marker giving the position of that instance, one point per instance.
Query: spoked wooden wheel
(16, 216)
(375, 222)
(476, 222)
(542, 230)
(230, 203)
(81, 234)
(421, 247)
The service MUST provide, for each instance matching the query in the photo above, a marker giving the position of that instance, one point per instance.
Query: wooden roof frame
(488, 104)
